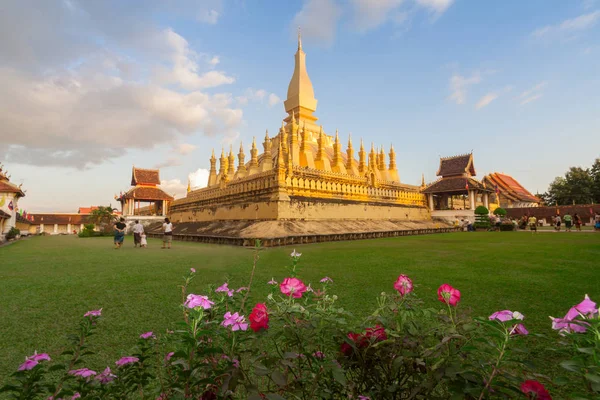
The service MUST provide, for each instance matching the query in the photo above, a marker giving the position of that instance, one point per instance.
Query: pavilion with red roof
(145, 190)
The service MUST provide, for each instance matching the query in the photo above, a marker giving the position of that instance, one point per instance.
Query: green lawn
(47, 283)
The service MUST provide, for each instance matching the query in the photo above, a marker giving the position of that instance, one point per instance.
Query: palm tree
(103, 218)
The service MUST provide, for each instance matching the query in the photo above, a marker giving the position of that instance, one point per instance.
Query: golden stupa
(302, 174)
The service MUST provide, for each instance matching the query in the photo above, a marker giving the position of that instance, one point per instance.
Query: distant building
(145, 190)
(508, 193)
(9, 203)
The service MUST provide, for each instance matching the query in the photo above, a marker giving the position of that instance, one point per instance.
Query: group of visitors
(139, 235)
(569, 222)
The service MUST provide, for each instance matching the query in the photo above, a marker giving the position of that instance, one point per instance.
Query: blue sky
(91, 88)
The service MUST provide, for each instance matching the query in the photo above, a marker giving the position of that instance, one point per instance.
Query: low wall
(304, 239)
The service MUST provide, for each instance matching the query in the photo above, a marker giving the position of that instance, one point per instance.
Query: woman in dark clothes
(120, 233)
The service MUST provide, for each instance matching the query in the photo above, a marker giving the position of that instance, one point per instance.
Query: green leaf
(279, 378)
(261, 370)
(274, 396)
(571, 365)
(339, 376)
(593, 378)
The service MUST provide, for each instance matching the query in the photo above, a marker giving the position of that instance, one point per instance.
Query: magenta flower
(39, 357)
(147, 335)
(27, 365)
(126, 360)
(76, 396)
(319, 355)
(447, 294)
(403, 285)
(105, 376)
(564, 325)
(82, 372)
(196, 300)
(193, 270)
(93, 313)
(236, 321)
(506, 315)
(519, 329)
(326, 280)
(364, 398)
(169, 355)
(292, 287)
(241, 289)
(236, 363)
(586, 308)
(272, 282)
(225, 289)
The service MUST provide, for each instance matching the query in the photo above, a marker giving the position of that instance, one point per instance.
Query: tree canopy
(578, 186)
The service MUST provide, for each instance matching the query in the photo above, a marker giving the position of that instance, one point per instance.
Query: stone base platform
(291, 232)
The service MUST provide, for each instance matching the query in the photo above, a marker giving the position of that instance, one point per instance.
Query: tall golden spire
(223, 163)
(300, 95)
(372, 158)
(320, 146)
(337, 147)
(241, 165)
(212, 175)
(349, 155)
(392, 158)
(189, 188)
(423, 180)
(362, 167)
(253, 154)
(231, 170)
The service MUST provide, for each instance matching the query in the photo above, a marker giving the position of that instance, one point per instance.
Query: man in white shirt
(138, 229)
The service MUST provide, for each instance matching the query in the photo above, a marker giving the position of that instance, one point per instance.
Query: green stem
(495, 369)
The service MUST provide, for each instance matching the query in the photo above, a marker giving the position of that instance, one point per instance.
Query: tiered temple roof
(457, 165)
(510, 188)
(456, 175)
(6, 186)
(147, 177)
(145, 182)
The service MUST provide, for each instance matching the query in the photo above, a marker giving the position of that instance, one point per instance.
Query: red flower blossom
(535, 390)
(259, 318)
(447, 294)
(377, 334)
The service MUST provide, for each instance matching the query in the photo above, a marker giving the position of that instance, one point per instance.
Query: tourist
(532, 224)
(577, 220)
(557, 222)
(120, 232)
(143, 241)
(167, 233)
(138, 229)
(568, 222)
(597, 222)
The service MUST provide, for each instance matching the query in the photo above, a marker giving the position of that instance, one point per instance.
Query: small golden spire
(189, 188)
(423, 180)
(299, 39)
(212, 157)
(267, 134)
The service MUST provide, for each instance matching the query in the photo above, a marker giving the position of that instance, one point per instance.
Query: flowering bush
(300, 344)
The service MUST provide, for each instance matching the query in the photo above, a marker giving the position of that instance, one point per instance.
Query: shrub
(501, 212)
(507, 227)
(13, 233)
(481, 210)
(300, 344)
(88, 231)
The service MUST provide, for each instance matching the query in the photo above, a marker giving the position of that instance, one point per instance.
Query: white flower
(518, 315)
(334, 297)
(295, 254)
(270, 297)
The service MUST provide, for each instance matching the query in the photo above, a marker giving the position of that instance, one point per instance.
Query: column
(55, 228)
(472, 199)
(486, 201)
(430, 199)
(164, 204)
(41, 228)
(81, 227)
(69, 228)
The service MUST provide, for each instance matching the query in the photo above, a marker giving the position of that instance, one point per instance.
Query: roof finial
(299, 39)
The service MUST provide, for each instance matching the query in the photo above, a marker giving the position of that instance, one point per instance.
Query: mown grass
(48, 283)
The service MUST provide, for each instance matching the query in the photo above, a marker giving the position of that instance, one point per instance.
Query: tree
(103, 218)
(577, 187)
(595, 174)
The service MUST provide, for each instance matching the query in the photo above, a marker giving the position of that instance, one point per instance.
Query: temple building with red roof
(9, 203)
(509, 193)
(145, 190)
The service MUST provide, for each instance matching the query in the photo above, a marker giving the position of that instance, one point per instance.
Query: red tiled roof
(4, 215)
(456, 165)
(60, 219)
(7, 187)
(509, 187)
(455, 184)
(147, 193)
(86, 210)
(140, 176)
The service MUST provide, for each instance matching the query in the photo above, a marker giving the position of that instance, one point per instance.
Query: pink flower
(27, 365)
(193, 270)
(241, 289)
(292, 287)
(519, 329)
(196, 300)
(259, 317)
(93, 313)
(225, 289)
(147, 335)
(364, 397)
(377, 333)
(447, 294)
(272, 282)
(535, 388)
(403, 285)
(326, 280)
(563, 325)
(82, 372)
(169, 355)
(319, 355)
(505, 315)
(586, 308)
(126, 360)
(106, 376)
(39, 357)
(76, 396)
(235, 320)
(236, 363)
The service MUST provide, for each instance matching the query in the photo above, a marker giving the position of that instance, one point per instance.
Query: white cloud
(318, 20)
(569, 26)
(185, 148)
(273, 100)
(532, 94)
(199, 178)
(174, 187)
(214, 61)
(437, 6)
(486, 100)
(459, 85)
